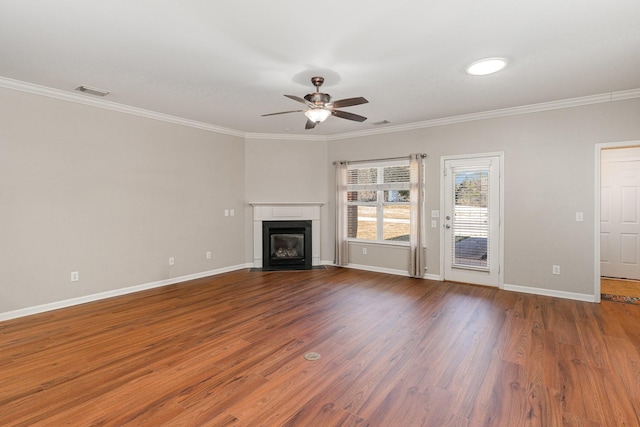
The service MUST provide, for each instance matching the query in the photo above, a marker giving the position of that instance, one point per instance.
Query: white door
(471, 220)
(620, 213)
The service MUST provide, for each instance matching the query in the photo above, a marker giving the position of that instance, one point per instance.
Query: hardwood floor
(395, 351)
(622, 287)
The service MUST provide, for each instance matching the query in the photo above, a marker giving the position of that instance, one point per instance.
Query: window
(471, 217)
(378, 207)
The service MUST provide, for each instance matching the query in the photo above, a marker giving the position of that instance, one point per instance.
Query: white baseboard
(506, 287)
(117, 292)
(375, 269)
(550, 293)
(114, 293)
(379, 269)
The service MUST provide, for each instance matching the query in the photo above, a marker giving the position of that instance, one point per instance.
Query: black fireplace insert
(286, 245)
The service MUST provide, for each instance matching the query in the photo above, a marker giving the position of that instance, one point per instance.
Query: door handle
(447, 226)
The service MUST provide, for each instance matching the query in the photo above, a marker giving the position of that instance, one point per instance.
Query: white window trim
(380, 188)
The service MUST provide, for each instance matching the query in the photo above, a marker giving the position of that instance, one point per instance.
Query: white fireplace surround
(286, 211)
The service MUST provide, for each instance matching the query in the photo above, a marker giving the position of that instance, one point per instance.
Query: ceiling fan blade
(310, 124)
(297, 98)
(348, 116)
(282, 112)
(349, 102)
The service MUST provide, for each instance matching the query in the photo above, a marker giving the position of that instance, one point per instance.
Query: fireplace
(286, 245)
(288, 213)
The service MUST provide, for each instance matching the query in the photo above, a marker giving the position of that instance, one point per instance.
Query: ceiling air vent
(92, 90)
(383, 122)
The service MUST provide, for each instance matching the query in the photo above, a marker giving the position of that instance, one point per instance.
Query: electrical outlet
(75, 276)
(556, 269)
(171, 261)
(208, 254)
(232, 212)
(434, 224)
(364, 251)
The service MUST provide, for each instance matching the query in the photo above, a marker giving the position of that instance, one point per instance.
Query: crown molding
(625, 94)
(504, 112)
(114, 106)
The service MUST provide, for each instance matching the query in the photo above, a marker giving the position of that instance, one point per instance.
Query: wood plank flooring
(395, 351)
(622, 287)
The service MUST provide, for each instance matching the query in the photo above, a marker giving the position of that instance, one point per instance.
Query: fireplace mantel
(286, 211)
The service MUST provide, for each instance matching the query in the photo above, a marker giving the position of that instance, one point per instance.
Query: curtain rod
(423, 155)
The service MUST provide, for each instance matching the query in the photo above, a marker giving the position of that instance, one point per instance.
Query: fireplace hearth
(286, 245)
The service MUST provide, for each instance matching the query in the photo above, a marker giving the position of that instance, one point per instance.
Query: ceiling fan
(319, 106)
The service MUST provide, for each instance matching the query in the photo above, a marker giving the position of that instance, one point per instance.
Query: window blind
(471, 217)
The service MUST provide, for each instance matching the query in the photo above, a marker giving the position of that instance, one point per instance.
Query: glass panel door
(471, 224)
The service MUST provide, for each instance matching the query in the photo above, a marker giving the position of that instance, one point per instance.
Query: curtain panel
(341, 249)
(416, 236)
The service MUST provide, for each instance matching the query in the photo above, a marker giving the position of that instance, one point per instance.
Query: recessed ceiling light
(486, 66)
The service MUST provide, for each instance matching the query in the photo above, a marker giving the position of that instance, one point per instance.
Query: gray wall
(112, 196)
(549, 176)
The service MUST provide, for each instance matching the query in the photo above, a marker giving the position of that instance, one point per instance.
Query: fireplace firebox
(286, 245)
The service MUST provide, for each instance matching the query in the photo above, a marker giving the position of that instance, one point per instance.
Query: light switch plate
(579, 216)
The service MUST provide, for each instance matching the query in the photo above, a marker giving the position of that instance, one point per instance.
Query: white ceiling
(225, 63)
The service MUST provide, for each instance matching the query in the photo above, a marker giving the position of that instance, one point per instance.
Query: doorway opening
(617, 237)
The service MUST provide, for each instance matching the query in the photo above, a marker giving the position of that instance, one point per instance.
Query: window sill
(378, 243)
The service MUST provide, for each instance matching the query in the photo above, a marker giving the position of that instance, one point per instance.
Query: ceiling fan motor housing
(318, 99)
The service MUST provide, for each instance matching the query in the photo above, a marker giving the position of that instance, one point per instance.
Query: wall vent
(92, 90)
(383, 122)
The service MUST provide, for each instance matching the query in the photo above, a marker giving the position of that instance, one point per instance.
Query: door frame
(596, 209)
(500, 155)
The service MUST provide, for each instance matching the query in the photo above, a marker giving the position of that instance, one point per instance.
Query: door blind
(470, 220)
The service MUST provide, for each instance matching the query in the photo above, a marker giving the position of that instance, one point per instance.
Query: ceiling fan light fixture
(317, 115)
(486, 66)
